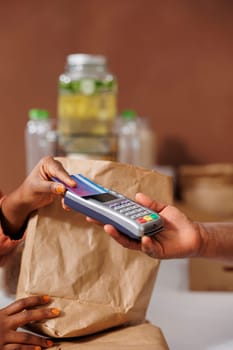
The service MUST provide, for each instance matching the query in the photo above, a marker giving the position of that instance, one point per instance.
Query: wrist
(14, 215)
(202, 240)
(204, 250)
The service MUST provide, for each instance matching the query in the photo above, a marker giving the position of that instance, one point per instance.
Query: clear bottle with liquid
(136, 140)
(128, 138)
(87, 107)
(40, 137)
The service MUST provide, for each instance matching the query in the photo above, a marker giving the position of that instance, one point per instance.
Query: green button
(154, 216)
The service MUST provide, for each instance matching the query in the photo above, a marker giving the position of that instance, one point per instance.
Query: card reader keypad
(134, 211)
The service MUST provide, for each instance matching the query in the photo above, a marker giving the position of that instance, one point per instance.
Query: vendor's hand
(20, 313)
(179, 238)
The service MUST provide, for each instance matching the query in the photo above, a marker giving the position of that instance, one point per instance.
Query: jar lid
(81, 58)
(41, 114)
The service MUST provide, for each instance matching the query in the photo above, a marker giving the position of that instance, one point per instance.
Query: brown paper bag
(143, 336)
(96, 282)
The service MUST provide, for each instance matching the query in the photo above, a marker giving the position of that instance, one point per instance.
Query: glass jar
(87, 107)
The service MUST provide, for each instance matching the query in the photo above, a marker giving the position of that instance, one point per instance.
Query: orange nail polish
(56, 312)
(49, 342)
(59, 189)
(37, 348)
(46, 298)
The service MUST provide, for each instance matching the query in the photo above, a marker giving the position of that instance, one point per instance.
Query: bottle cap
(38, 114)
(81, 58)
(129, 114)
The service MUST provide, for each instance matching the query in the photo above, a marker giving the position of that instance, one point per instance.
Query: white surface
(190, 320)
(4, 300)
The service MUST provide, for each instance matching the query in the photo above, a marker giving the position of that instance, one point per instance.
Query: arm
(217, 240)
(7, 245)
(181, 237)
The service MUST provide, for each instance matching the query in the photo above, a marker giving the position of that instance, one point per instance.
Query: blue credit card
(85, 187)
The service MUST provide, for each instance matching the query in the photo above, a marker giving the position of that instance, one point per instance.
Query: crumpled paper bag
(138, 337)
(95, 282)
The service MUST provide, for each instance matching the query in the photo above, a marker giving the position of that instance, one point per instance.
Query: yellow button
(147, 218)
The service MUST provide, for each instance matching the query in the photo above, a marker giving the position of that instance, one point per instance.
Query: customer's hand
(20, 313)
(36, 191)
(180, 237)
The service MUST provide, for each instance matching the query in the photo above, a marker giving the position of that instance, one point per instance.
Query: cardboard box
(208, 275)
(208, 188)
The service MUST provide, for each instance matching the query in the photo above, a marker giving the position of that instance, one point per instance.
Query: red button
(141, 220)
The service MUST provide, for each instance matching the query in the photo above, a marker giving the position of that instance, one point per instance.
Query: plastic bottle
(136, 141)
(40, 138)
(128, 138)
(148, 156)
(87, 107)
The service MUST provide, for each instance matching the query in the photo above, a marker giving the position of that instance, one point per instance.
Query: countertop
(190, 320)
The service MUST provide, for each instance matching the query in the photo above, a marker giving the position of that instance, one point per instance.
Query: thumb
(52, 187)
(149, 203)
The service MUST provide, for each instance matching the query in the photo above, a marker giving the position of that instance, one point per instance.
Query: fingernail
(46, 298)
(37, 348)
(49, 342)
(67, 208)
(59, 189)
(56, 312)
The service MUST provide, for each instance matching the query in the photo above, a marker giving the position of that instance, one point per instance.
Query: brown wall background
(173, 60)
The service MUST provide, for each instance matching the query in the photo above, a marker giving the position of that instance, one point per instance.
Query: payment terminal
(111, 207)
